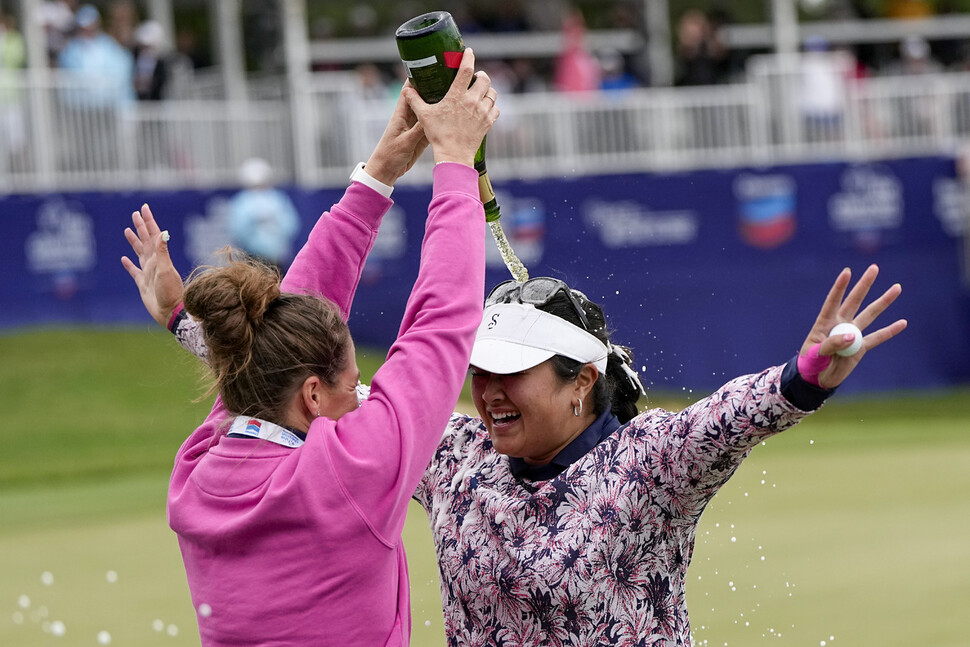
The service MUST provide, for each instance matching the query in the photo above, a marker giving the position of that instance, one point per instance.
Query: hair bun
(231, 301)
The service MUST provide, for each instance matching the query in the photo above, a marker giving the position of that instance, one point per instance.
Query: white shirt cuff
(362, 176)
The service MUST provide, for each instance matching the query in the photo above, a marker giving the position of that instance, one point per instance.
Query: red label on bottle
(452, 59)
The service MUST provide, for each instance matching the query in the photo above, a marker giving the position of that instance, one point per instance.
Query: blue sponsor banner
(706, 274)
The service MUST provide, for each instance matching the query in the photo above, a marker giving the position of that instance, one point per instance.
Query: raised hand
(159, 283)
(839, 308)
(400, 146)
(456, 125)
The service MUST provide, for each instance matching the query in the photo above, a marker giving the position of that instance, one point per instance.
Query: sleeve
(696, 451)
(804, 395)
(442, 461)
(381, 450)
(331, 261)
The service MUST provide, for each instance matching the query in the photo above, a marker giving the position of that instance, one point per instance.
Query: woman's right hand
(159, 283)
(456, 125)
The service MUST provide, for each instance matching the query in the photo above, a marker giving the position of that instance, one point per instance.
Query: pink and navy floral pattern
(597, 555)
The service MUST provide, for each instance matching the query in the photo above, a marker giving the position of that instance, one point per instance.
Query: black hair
(613, 391)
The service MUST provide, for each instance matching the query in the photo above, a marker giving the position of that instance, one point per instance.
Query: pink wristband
(175, 313)
(811, 364)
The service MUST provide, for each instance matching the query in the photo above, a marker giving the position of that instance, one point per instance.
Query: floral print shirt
(597, 555)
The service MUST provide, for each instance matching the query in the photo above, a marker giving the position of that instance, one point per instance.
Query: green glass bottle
(430, 46)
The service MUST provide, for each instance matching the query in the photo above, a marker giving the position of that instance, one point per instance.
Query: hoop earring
(578, 411)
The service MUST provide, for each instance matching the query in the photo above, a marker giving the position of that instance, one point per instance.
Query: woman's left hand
(159, 283)
(835, 310)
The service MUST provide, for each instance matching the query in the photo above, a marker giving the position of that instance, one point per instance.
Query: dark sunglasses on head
(537, 292)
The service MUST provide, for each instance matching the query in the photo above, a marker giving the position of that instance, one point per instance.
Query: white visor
(514, 337)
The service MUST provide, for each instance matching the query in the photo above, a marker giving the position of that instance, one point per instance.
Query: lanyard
(256, 428)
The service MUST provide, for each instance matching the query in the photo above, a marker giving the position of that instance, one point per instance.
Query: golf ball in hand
(844, 329)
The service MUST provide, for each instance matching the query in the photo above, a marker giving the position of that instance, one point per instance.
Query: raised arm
(703, 445)
(333, 258)
(380, 451)
(832, 368)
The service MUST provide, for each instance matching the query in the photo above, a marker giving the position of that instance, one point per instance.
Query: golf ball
(165, 235)
(843, 329)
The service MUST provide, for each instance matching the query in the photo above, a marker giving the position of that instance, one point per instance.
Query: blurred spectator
(56, 18)
(262, 220)
(151, 65)
(914, 114)
(13, 56)
(614, 76)
(576, 69)
(101, 88)
(98, 59)
(121, 19)
(627, 15)
(700, 55)
(373, 85)
(822, 90)
(948, 51)
(187, 46)
(914, 58)
(525, 78)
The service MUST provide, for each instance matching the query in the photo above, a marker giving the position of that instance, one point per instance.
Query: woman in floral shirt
(559, 515)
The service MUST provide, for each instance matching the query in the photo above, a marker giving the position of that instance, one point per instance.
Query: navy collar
(593, 435)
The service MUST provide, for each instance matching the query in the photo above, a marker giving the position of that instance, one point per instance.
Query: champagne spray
(430, 46)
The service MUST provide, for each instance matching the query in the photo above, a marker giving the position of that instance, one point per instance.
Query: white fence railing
(790, 109)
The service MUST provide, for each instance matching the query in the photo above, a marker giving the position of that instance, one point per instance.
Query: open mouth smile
(503, 419)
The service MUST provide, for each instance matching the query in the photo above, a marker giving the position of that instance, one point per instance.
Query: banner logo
(633, 224)
(869, 207)
(766, 209)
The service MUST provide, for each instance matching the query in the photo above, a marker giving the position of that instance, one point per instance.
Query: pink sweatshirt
(303, 546)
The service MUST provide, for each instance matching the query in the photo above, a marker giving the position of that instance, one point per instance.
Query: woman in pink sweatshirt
(289, 500)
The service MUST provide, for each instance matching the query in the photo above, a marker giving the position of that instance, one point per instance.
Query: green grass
(854, 525)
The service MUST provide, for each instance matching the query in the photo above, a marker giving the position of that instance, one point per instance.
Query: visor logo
(493, 322)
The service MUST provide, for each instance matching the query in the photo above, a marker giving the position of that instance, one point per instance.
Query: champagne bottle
(430, 46)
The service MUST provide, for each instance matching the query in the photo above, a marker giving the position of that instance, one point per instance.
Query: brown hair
(263, 343)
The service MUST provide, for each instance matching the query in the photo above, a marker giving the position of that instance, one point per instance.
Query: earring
(578, 410)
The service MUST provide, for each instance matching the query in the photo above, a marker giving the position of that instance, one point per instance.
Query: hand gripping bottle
(431, 46)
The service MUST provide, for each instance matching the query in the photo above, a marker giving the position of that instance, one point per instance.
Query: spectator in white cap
(151, 66)
(262, 219)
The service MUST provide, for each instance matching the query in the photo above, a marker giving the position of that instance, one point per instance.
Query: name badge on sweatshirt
(256, 428)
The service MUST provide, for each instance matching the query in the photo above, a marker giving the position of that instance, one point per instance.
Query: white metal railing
(81, 134)
(788, 110)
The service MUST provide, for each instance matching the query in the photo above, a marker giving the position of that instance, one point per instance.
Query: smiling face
(530, 414)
